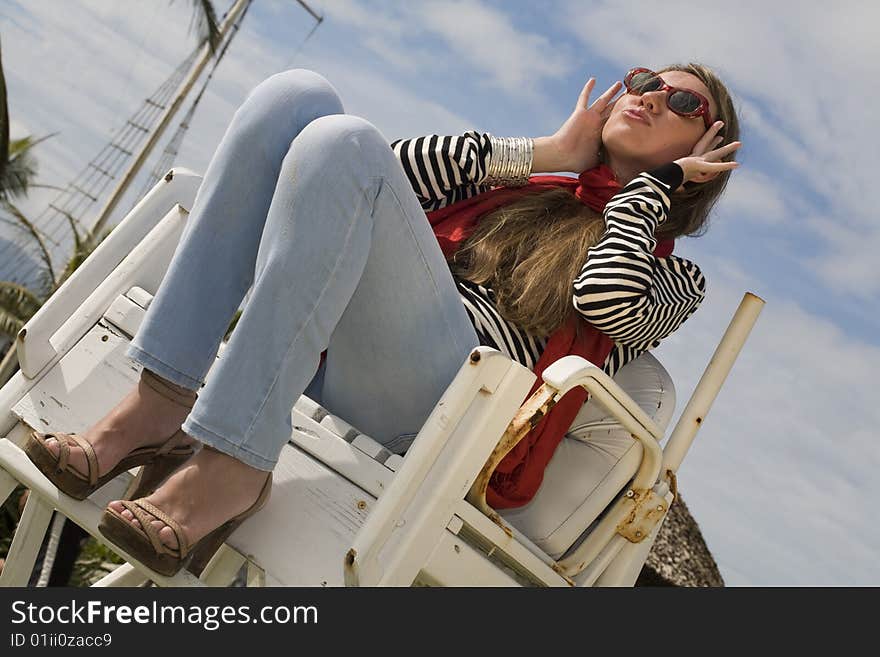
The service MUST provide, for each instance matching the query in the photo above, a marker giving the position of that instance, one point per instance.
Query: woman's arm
(548, 158)
(445, 169)
(625, 291)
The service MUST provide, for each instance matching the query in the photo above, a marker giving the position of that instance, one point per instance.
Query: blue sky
(778, 477)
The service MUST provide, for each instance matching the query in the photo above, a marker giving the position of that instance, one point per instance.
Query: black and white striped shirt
(632, 296)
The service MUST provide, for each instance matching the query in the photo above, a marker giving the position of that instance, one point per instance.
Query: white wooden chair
(343, 510)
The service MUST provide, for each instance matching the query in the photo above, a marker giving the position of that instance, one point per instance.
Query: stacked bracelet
(511, 161)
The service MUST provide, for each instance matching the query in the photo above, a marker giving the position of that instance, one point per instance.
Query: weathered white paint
(342, 510)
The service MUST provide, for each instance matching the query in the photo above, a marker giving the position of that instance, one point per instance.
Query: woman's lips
(636, 116)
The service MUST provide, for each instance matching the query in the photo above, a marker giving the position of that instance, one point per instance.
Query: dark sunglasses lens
(684, 101)
(642, 82)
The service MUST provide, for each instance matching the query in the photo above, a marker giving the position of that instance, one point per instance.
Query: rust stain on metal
(699, 420)
(361, 505)
(646, 509)
(538, 404)
(497, 520)
(22, 334)
(350, 556)
(104, 338)
(169, 175)
(673, 483)
(561, 572)
(475, 357)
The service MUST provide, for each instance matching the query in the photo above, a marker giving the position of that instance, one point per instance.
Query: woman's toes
(166, 534)
(117, 506)
(52, 446)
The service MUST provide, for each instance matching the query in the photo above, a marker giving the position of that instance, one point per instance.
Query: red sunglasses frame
(702, 110)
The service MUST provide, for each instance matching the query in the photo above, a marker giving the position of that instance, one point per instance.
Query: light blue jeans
(311, 207)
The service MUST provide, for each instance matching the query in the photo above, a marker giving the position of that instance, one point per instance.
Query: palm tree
(205, 19)
(18, 169)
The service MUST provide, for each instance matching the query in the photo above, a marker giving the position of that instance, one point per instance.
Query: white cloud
(515, 60)
(789, 447)
(477, 36)
(755, 196)
(799, 73)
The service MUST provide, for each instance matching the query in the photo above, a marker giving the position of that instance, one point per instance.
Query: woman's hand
(575, 146)
(703, 164)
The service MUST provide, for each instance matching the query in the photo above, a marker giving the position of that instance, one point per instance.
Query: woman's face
(637, 145)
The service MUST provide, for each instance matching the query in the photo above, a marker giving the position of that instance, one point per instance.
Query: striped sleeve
(626, 292)
(443, 170)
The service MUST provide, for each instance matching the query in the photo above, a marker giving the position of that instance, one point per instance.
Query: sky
(778, 477)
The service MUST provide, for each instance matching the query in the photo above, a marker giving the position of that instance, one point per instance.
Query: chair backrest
(594, 462)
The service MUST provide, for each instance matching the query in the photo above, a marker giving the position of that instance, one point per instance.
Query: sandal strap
(178, 394)
(91, 457)
(145, 512)
(63, 449)
(146, 527)
(182, 546)
(65, 440)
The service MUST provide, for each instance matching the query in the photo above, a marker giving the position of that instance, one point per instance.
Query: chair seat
(593, 462)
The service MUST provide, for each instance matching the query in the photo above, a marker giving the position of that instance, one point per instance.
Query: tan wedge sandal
(158, 461)
(145, 545)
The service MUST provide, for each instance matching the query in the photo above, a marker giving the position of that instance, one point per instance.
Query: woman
(313, 208)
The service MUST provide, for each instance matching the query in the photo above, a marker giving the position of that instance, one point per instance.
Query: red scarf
(520, 473)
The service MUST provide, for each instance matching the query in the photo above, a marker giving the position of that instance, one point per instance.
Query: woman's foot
(143, 418)
(208, 490)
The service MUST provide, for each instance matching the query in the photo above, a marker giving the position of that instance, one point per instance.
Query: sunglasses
(683, 102)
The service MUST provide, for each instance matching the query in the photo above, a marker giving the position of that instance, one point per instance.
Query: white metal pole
(170, 111)
(713, 378)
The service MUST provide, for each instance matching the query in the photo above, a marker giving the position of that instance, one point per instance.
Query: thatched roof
(679, 556)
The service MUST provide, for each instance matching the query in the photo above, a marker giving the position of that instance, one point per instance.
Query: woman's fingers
(708, 170)
(719, 166)
(602, 101)
(725, 150)
(605, 98)
(707, 141)
(584, 98)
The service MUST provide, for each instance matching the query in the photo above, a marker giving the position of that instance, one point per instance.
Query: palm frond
(83, 245)
(20, 169)
(17, 305)
(34, 233)
(26, 143)
(10, 325)
(205, 20)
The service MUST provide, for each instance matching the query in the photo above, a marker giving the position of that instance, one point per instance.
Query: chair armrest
(559, 378)
(403, 528)
(33, 345)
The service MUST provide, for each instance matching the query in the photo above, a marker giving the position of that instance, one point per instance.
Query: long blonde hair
(530, 251)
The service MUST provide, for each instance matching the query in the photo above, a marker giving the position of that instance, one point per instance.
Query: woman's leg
(348, 262)
(213, 265)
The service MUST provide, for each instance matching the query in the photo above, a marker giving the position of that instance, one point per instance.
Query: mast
(170, 110)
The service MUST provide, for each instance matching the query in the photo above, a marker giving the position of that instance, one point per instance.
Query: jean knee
(280, 106)
(344, 140)
(292, 83)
